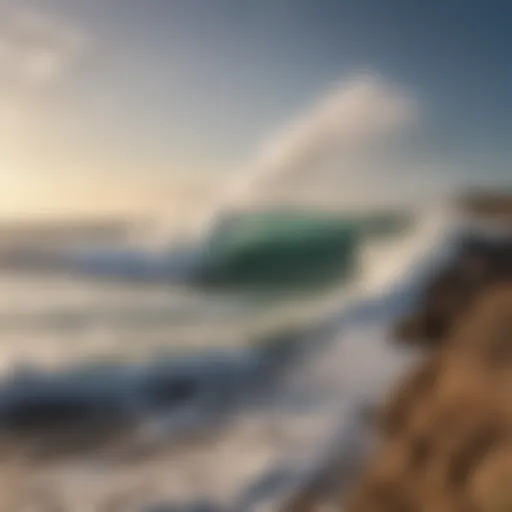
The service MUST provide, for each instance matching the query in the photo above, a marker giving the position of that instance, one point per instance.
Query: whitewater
(222, 401)
(259, 421)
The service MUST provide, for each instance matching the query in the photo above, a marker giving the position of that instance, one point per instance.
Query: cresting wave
(388, 268)
(312, 380)
(286, 400)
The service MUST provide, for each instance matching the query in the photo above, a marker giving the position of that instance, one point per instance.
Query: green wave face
(287, 250)
(279, 250)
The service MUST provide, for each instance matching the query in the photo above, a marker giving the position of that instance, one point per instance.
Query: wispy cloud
(36, 48)
(37, 51)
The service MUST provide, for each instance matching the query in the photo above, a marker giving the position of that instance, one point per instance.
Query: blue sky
(149, 90)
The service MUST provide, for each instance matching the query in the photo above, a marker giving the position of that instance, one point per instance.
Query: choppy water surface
(212, 396)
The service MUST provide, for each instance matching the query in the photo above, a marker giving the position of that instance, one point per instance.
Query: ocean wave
(310, 383)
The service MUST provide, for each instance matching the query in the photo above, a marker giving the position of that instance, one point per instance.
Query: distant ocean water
(278, 409)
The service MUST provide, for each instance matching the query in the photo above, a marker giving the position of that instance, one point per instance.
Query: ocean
(224, 398)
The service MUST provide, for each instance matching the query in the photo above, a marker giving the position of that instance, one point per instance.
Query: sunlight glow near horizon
(94, 120)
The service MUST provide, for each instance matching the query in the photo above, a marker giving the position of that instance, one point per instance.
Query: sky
(146, 104)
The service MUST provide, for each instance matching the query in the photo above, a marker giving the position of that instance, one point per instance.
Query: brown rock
(491, 204)
(447, 428)
(480, 265)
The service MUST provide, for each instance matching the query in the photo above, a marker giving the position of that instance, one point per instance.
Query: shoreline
(426, 447)
(362, 357)
(442, 430)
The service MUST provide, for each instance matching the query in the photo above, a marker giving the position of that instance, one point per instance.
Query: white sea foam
(347, 364)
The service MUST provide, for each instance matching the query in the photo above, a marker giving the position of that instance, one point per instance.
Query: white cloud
(36, 52)
(339, 143)
(36, 48)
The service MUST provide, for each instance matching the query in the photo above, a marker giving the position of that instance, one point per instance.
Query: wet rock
(479, 264)
(447, 422)
(491, 204)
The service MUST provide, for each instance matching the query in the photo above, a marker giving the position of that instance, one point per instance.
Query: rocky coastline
(444, 434)
(446, 430)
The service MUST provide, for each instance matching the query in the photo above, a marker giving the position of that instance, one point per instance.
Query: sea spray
(349, 122)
